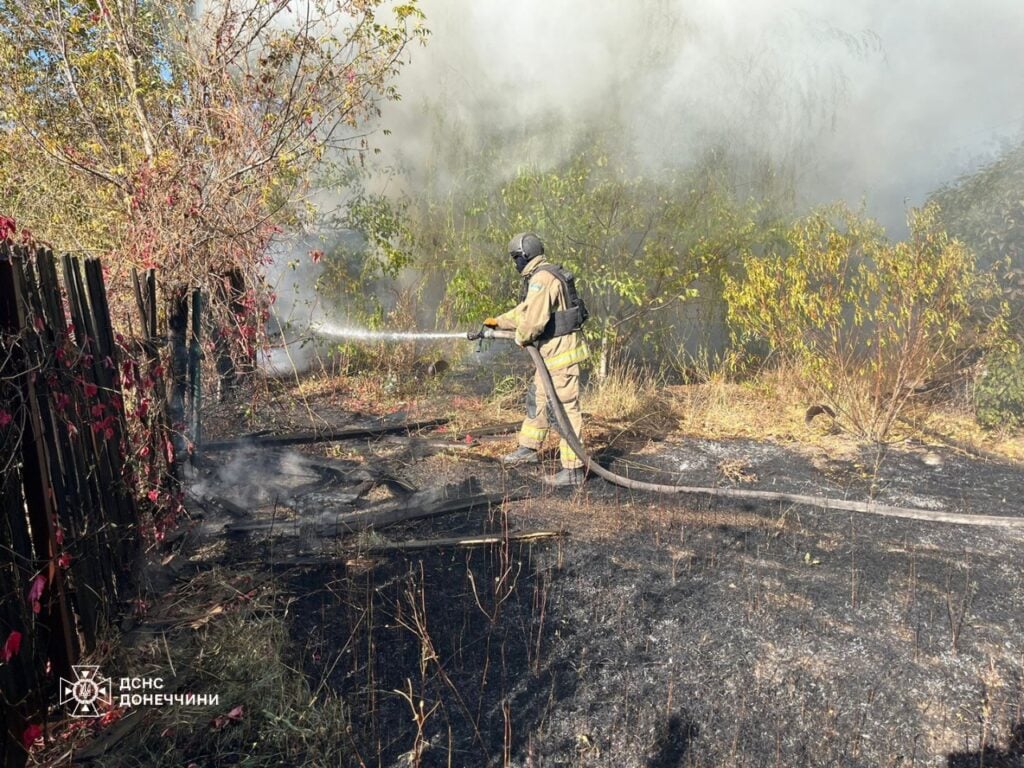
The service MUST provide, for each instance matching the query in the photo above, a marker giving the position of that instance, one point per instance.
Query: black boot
(567, 478)
(520, 455)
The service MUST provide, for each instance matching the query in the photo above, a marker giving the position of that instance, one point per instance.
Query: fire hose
(869, 507)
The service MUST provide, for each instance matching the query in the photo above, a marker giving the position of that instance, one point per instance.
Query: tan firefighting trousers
(535, 426)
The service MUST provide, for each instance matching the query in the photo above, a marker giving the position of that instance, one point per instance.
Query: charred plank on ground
(458, 497)
(328, 435)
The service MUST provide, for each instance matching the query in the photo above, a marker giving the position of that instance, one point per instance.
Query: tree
(639, 246)
(985, 210)
(181, 135)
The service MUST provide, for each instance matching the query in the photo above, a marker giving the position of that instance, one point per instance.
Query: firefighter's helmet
(525, 247)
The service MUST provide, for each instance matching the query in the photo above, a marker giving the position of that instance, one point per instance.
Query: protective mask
(521, 260)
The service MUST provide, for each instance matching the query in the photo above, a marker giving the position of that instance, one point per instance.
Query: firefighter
(549, 315)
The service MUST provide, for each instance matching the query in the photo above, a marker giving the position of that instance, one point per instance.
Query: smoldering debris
(255, 477)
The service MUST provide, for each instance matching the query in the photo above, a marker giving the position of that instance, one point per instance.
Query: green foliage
(355, 267)
(999, 394)
(986, 209)
(636, 244)
(866, 321)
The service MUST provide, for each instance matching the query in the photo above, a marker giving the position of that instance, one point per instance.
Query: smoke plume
(878, 100)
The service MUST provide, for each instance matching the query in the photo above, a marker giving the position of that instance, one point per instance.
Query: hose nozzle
(489, 333)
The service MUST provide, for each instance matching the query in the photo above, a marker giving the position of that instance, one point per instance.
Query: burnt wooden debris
(448, 499)
(413, 545)
(490, 430)
(68, 521)
(383, 427)
(324, 497)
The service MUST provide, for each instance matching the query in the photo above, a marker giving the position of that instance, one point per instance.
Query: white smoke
(878, 100)
(292, 275)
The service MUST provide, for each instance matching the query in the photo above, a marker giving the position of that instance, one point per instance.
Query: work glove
(490, 322)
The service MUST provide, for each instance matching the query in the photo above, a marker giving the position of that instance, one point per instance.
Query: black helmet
(525, 247)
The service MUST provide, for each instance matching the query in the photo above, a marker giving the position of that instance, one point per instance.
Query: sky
(879, 101)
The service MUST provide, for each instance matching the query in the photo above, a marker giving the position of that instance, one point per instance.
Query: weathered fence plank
(68, 520)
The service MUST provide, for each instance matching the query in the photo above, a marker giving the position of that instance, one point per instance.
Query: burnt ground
(661, 631)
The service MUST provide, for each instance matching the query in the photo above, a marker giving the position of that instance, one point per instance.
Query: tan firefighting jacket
(544, 295)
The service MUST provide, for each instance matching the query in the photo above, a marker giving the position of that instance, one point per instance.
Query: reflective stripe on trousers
(535, 427)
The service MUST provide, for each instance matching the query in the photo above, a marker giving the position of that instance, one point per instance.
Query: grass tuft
(625, 392)
(239, 650)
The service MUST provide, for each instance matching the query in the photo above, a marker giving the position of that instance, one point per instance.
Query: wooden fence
(69, 526)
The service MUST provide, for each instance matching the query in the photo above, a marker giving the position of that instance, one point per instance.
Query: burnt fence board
(108, 366)
(116, 509)
(54, 613)
(68, 513)
(78, 510)
(149, 366)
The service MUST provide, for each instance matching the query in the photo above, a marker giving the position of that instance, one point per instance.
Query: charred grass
(664, 631)
(221, 632)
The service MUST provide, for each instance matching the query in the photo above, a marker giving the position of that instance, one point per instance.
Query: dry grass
(629, 404)
(236, 648)
(768, 407)
(623, 394)
(960, 425)
(770, 404)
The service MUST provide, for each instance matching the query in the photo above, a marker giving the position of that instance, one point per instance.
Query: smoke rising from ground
(876, 100)
(292, 276)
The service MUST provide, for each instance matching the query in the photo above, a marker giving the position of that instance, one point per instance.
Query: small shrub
(866, 322)
(999, 395)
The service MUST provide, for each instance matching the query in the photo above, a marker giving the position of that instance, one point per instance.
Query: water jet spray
(340, 333)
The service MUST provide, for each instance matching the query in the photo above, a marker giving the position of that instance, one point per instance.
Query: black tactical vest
(563, 321)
